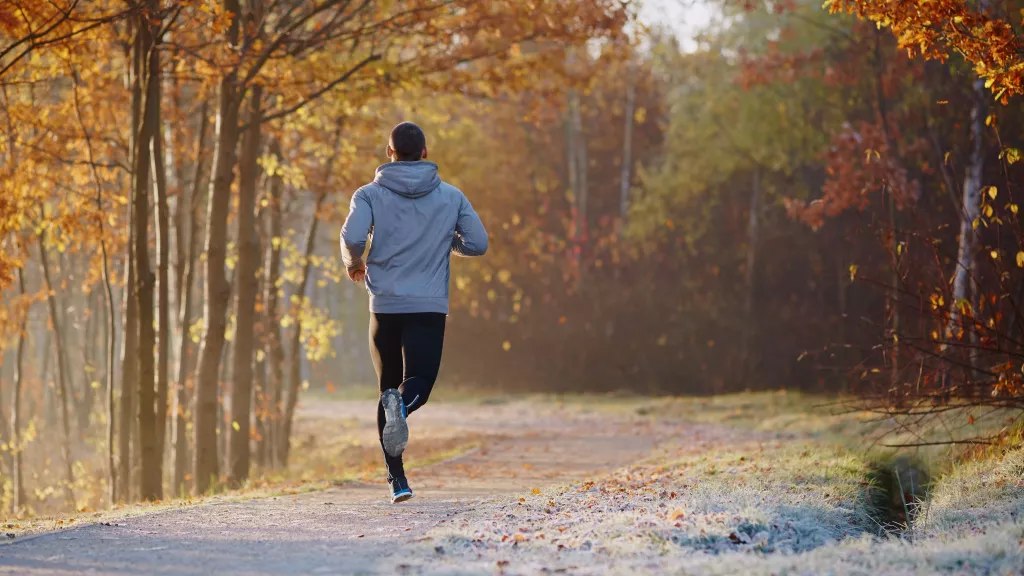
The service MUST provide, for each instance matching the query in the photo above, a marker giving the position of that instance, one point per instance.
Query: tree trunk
(44, 373)
(17, 472)
(150, 477)
(295, 368)
(110, 332)
(970, 211)
(259, 397)
(205, 465)
(62, 387)
(578, 180)
(627, 149)
(187, 263)
(573, 176)
(222, 415)
(247, 287)
(753, 238)
(129, 352)
(6, 459)
(163, 282)
(88, 351)
(129, 378)
(582, 169)
(271, 286)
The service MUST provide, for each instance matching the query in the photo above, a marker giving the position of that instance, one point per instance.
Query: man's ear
(391, 153)
(424, 157)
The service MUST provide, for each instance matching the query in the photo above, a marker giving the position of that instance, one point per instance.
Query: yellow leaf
(506, 345)
(853, 272)
(235, 426)
(1020, 259)
(994, 255)
(993, 192)
(535, 491)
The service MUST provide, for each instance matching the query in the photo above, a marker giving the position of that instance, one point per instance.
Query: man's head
(407, 143)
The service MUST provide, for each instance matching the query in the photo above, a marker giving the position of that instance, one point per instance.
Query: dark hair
(408, 142)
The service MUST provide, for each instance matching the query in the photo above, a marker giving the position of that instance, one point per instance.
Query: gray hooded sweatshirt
(414, 222)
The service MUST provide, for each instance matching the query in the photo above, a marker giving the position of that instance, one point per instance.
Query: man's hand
(357, 272)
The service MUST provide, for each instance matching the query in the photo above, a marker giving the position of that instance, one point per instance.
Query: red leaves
(859, 164)
(778, 67)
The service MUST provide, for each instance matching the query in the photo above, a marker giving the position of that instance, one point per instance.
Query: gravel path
(351, 529)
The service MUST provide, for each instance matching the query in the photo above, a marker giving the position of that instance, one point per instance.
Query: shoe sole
(396, 429)
(401, 497)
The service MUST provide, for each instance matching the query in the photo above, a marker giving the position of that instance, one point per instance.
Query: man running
(415, 222)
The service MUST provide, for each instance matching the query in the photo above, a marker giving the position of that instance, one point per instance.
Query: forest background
(793, 196)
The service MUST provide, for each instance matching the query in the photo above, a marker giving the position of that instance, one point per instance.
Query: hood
(409, 179)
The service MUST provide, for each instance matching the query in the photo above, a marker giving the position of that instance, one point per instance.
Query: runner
(415, 221)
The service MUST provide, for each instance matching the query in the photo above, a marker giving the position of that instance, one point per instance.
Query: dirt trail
(351, 529)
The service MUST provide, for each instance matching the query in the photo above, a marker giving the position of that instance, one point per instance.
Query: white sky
(683, 17)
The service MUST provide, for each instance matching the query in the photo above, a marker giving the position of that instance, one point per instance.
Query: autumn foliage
(794, 198)
(170, 171)
(983, 33)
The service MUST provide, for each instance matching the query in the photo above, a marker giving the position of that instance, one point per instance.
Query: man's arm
(470, 236)
(355, 231)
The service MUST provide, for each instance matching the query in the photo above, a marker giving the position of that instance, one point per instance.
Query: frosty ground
(744, 484)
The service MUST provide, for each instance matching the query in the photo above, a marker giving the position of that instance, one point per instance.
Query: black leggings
(406, 353)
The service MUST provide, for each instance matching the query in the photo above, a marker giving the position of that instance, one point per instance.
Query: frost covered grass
(977, 495)
(754, 487)
(713, 494)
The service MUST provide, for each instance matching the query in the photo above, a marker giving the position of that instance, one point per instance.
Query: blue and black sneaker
(400, 491)
(396, 430)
